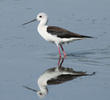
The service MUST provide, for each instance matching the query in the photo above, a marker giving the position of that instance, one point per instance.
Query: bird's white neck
(43, 22)
(42, 27)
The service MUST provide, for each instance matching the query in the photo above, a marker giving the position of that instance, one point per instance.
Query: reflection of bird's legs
(63, 51)
(62, 60)
(59, 64)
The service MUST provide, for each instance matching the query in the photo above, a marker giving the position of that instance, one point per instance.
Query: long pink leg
(63, 50)
(59, 51)
(59, 56)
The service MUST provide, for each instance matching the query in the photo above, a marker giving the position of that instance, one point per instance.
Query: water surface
(24, 55)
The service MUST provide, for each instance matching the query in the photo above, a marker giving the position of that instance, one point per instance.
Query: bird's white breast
(47, 36)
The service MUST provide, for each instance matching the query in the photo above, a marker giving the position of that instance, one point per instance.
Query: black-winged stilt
(55, 34)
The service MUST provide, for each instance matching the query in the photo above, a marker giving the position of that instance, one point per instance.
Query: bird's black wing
(63, 33)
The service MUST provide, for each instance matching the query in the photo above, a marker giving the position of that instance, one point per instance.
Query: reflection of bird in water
(56, 76)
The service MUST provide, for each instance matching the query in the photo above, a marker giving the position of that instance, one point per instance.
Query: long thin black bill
(29, 22)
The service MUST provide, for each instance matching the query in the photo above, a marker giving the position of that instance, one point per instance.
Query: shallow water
(24, 55)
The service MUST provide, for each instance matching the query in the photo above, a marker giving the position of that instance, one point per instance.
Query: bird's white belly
(48, 36)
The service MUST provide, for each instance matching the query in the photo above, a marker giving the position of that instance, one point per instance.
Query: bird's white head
(42, 16)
